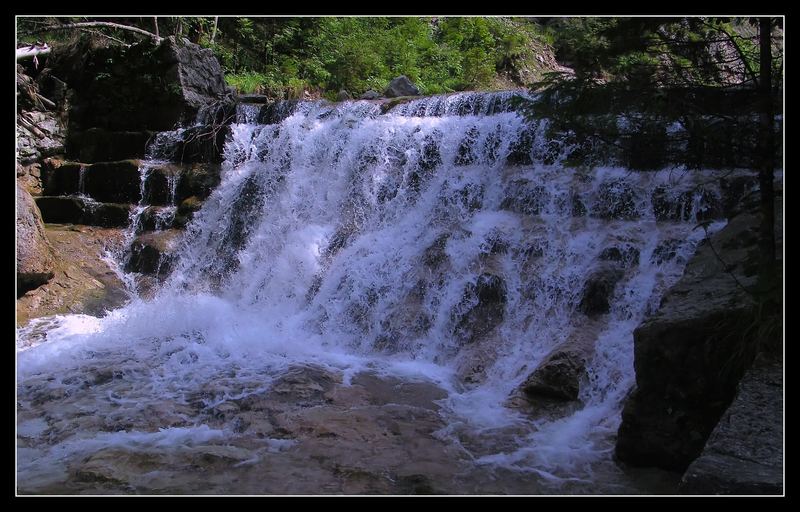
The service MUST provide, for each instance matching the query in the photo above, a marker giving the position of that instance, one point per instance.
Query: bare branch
(32, 51)
(92, 24)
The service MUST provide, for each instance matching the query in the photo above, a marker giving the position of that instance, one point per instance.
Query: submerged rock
(598, 290)
(615, 200)
(486, 299)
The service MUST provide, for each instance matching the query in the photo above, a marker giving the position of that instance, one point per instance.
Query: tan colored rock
(36, 263)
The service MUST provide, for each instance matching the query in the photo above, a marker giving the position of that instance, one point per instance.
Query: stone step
(120, 182)
(106, 182)
(79, 210)
(99, 145)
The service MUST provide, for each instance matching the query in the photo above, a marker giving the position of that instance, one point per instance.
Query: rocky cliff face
(85, 120)
(691, 354)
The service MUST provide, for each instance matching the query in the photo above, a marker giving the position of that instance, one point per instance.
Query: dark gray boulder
(401, 86)
(691, 353)
(370, 95)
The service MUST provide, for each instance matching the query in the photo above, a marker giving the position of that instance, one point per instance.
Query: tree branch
(32, 51)
(91, 24)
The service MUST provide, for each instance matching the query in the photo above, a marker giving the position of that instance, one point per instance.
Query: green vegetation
(283, 57)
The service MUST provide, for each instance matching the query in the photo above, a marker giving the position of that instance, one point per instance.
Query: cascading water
(443, 241)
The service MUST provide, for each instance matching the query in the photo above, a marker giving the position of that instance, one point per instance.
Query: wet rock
(108, 215)
(626, 255)
(598, 290)
(667, 250)
(343, 95)
(484, 308)
(197, 180)
(35, 258)
(466, 150)
(744, 453)
(578, 207)
(277, 111)
(520, 149)
(303, 385)
(201, 144)
(370, 95)
(83, 281)
(615, 200)
(415, 484)
(738, 194)
(401, 86)
(559, 375)
(252, 98)
(699, 205)
(151, 253)
(690, 355)
(186, 211)
(114, 182)
(524, 197)
(157, 218)
(470, 197)
(60, 177)
(61, 210)
(435, 255)
(77, 210)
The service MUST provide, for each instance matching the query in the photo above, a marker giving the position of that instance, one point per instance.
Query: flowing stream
(442, 247)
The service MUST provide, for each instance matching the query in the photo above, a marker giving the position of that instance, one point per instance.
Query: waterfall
(445, 239)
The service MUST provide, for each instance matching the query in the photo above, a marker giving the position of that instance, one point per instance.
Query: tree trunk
(155, 25)
(766, 154)
(214, 32)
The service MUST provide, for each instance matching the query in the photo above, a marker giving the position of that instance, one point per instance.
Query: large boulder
(401, 86)
(744, 454)
(35, 259)
(146, 86)
(559, 375)
(690, 355)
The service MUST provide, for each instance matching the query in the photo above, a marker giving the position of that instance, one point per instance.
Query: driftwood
(32, 51)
